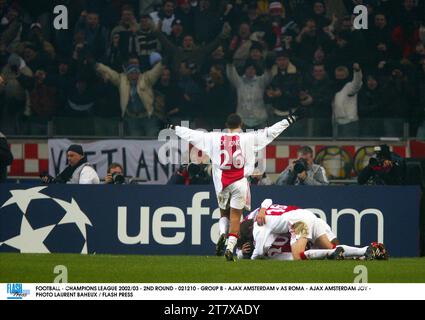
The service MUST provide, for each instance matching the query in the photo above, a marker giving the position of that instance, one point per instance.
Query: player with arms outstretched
(233, 160)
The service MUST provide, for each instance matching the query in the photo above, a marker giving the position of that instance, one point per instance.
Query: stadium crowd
(154, 62)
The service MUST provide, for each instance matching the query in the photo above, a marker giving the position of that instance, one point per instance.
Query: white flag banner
(139, 158)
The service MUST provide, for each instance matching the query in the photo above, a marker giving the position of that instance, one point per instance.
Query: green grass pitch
(38, 268)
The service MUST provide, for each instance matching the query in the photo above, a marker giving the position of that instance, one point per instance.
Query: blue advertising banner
(182, 220)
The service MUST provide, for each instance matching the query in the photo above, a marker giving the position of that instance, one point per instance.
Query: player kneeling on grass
(268, 226)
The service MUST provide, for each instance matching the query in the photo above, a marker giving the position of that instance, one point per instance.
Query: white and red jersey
(232, 154)
(280, 248)
(279, 221)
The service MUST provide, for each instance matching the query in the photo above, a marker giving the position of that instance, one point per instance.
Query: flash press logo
(15, 291)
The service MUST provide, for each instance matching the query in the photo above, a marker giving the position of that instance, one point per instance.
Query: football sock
(231, 243)
(351, 252)
(223, 225)
(316, 254)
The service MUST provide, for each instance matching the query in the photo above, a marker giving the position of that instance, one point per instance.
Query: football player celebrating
(271, 221)
(233, 160)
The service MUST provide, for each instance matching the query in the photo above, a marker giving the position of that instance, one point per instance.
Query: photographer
(191, 174)
(303, 171)
(115, 174)
(385, 169)
(79, 171)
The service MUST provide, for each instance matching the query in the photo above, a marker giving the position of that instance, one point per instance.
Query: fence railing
(389, 129)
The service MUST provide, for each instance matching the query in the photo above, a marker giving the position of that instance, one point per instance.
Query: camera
(198, 173)
(300, 166)
(118, 178)
(382, 153)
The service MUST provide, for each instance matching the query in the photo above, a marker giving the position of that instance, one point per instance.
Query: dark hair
(246, 234)
(233, 121)
(251, 63)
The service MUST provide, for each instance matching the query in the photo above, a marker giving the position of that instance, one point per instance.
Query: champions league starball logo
(44, 224)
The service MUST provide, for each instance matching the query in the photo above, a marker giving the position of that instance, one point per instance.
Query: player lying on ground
(233, 160)
(281, 248)
(267, 226)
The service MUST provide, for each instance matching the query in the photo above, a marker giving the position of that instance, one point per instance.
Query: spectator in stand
(115, 57)
(81, 97)
(95, 34)
(140, 42)
(240, 45)
(189, 94)
(35, 57)
(185, 13)
(164, 17)
(15, 94)
(348, 45)
(283, 91)
(148, 6)
(409, 12)
(284, 29)
(3, 10)
(405, 38)
(379, 41)
(371, 107)
(345, 108)
(189, 51)
(136, 94)
(398, 91)
(320, 88)
(64, 78)
(44, 102)
(36, 38)
(217, 57)
(219, 98)
(177, 32)
(166, 96)
(319, 14)
(11, 28)
(309, 39)
(128, 21)
(250, 90)
(206, 23)
(257, 55)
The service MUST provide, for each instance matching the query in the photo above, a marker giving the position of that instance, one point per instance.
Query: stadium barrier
(179, 220)
(341, 159)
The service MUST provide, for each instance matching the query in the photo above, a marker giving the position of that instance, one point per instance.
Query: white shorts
(316, 228)
(236, 196)
(320, 228)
